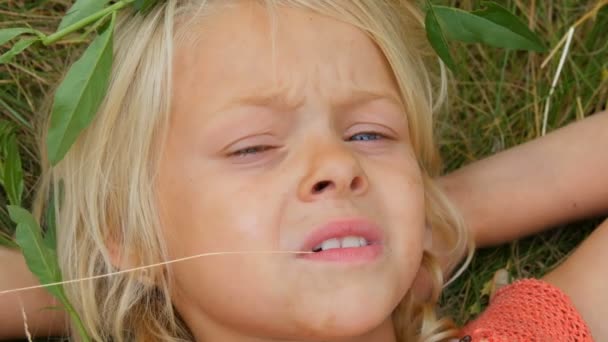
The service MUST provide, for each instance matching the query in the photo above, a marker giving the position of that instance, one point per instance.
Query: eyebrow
(360, 96)
(276, 98)
(279, 98)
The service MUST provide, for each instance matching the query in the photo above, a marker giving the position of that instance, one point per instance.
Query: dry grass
(497, 101)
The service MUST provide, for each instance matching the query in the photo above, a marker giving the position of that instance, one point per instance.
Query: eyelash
(379, 136)
(251, 150)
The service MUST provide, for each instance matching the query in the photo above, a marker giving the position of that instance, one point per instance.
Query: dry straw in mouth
(128, 270)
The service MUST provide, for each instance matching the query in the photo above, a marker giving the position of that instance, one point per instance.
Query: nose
(333, 171)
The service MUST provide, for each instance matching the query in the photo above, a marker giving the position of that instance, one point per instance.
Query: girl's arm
(571, 303)
(583, 277)
(554, 179)
(42, 320)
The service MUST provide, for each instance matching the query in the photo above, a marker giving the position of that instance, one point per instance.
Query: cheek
(216, 217)
(401, 191)
(214, 212)
(222, 215)
(402, 202)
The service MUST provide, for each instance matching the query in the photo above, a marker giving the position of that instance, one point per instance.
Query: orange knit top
(528, 310)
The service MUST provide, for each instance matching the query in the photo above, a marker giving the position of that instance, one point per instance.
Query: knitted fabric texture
(528, 310)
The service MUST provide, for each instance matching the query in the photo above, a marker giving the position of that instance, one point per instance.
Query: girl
(565, 153)
(320, 108)
(324, 108)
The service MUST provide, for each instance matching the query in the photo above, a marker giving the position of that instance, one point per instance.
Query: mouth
(347, 240)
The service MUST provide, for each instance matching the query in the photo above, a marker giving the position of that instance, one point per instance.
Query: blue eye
(366, 136)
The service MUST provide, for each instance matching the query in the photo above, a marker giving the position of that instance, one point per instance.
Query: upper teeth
(345, 242)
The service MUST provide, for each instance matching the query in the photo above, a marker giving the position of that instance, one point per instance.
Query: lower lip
(346, 255)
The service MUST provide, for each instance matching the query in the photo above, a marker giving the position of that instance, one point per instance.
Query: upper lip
(342, 228)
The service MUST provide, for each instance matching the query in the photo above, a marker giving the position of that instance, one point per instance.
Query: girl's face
(281, 147)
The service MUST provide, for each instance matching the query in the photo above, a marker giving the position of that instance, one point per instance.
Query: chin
(347, 318)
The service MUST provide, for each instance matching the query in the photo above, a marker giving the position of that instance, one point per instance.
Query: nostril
(320, 186)
(356, 183)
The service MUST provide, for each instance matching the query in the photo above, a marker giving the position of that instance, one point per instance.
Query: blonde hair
(107, 178)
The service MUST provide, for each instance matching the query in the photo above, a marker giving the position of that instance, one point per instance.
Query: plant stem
(74, 315)
(592, 13)
(85, 21)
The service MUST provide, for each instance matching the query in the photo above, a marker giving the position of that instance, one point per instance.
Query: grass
(497, 100)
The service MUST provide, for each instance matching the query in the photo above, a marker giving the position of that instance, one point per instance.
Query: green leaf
(467, 27)
(434, 34)
(78, 97)
(144, 5)
(14, 114)
(503, 17)
(6, 130)
(475, 308)
(486, 290)
(50, 239)
(9, 34)
(41, 261)
(13, 173)
(80, 10)
(17, 49)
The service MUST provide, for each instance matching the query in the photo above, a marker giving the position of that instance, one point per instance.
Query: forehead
(241, 49)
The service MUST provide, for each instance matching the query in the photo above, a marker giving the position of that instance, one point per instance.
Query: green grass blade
(6, 130)
(11, 33)
(13, 173)
(13, 113)
(6, 241)
(17, 49)
(80, 10)
(78, 97)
